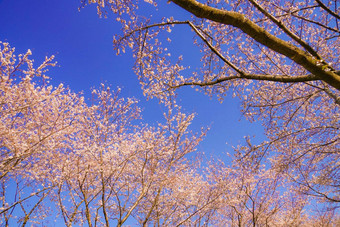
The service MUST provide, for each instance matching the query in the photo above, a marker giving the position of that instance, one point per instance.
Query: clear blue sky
(82, 44)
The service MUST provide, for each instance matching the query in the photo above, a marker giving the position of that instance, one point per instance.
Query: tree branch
(327, 9)
(274, 78)
(21, 200)
(262, 36)
(316, 22)
(213, 49)
(286, 30)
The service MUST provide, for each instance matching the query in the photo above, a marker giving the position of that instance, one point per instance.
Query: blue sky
(82, 44)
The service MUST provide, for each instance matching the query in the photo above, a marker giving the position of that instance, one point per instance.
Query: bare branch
(274, 78)
(328, 9)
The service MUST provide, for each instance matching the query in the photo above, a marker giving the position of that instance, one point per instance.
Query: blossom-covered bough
(282, 58)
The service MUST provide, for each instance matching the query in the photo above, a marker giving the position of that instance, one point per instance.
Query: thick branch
(327, 9)
(286, 30)
(262, 36)
(332, 95)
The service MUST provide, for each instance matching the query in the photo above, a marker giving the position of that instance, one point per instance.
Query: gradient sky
(82, 44)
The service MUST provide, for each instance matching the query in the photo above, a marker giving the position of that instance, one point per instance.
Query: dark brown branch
(243, 75)
(214, 50)
(286, 30)
(262, 36)
(332, 95)
(316, 192)
(274, 78)
(22, 200)
(317, 23)
(327, 9)
(150, 26)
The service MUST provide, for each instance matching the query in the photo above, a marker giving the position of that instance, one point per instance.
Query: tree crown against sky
(66, 162)
(294, 95)
(62, 156)
(280, 58)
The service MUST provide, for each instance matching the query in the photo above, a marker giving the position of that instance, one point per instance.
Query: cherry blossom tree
(281, 58)
(34, 120)
(251, 196)
(115, 173)
(62, 158)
